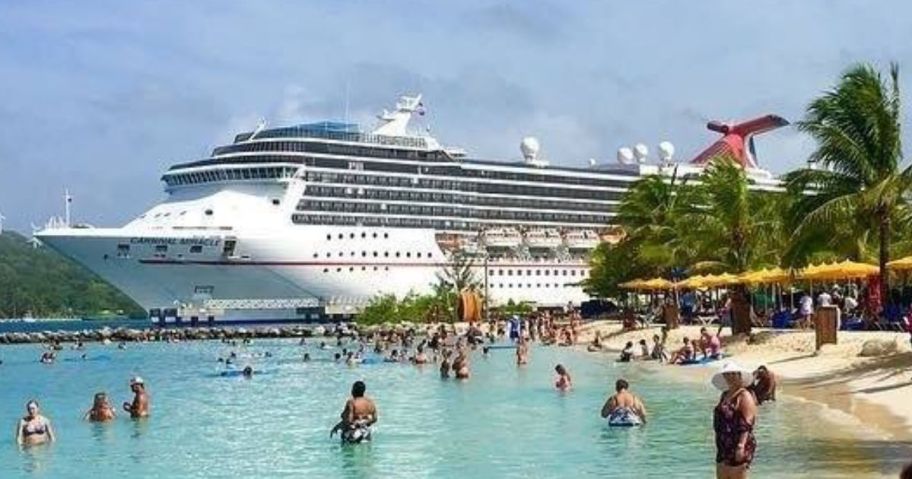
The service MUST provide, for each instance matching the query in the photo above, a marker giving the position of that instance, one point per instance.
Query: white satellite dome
(529, 147)
(640, 151)
(625, 155)
(592, 163)
(666, 151)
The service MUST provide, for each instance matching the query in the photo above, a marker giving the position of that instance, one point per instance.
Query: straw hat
(731, 367)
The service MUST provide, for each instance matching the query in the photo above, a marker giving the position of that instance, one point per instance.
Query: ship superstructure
(298, 222)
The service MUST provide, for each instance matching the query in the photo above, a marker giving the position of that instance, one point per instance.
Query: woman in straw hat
(733, 422)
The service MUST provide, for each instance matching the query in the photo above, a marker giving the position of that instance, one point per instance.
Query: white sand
(878, 390)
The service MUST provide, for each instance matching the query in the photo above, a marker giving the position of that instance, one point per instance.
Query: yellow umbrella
(843, 270)
(632, 284)
(657, 283)
(693, 282)
(766, 276)
(724, 279)
(902, 264)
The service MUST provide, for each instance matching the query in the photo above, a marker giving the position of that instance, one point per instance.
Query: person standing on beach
(734, 418)
(806, 310)
(358, 415)
(139, 408)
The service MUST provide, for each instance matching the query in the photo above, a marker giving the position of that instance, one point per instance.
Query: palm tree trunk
(884, 258)
(740, 311)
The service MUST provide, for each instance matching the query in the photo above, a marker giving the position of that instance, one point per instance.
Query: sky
(100, 97)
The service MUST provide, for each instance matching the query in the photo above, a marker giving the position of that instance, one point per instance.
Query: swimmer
(644, 350)
(764, 385)
(393, 357)
(47, 357)
(461, 365)
(302, 342)
(522, 352)
(337, 357)
(247, 372)
(306, 357)
(627, 353)
(445, 366)
(624, 408)
(351, 360)
(34, 428)
(323, 345)
(122, 345)
(420, 356)
(140, 405)
(101, 410)
(563, 383)
(358, 415)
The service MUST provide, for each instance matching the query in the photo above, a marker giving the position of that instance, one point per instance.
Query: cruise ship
(311, 221)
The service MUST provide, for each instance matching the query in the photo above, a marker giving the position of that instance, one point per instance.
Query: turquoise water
(504, 422)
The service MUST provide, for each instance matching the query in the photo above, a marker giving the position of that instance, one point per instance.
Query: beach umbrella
(657, 284)
(902, 264)
(766, 276)
(724, 279)
(693, 282)
(632, 284)
(842, 270)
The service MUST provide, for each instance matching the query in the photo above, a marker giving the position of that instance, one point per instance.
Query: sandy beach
(875, 388)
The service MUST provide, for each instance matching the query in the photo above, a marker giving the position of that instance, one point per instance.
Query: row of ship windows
(393, 222)
(436, 184)
(534, 175)
(377, 254)
(329, 237)
(229, 175)
(438, 197)
(537, 272)
(395, 209)
(310, 131)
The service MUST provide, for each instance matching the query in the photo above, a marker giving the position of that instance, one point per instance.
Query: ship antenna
(347, 88)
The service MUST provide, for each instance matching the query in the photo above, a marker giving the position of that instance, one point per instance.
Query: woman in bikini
(563, 382)
(734, 418)
(34, 428)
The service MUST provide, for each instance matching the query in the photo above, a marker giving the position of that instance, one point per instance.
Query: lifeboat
(543, 239)
(502, 238)
(581, 240)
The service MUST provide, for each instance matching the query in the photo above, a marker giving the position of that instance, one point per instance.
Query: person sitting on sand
(140, 406)
(34, 428)
(101, 410)
(764, 385)
(358, 415)
(596, 343)
(683, 355)
(710, 344)
(563, 383)
(624, 407)
(627, 353)
(461, 365)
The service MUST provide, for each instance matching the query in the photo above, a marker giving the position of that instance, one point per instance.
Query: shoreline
(872, 390)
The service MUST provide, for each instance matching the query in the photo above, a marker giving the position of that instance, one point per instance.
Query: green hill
(43, 283)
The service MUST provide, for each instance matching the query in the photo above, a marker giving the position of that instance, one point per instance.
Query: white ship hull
(286, 275)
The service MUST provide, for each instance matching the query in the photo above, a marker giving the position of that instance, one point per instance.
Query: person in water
(140, 406)
(101, 410)
(359, 414)
(461, 365)
(685, 354)
(522, 352)
(710, 345)
(247, 372)
(421, 356)
(624, 408)
(734, 418)
(627, 353)
(306, 357)
(644, 350)
(764, 385)
(564, 382)
(34, 428)
(658, 349)
(445, 365)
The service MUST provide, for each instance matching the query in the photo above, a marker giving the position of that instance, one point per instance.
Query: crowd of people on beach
(734, 416)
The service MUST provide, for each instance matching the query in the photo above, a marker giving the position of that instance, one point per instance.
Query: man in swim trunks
(359, 414)
(624, 407)
(139, 408)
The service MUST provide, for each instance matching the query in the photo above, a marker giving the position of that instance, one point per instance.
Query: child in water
(563, 383)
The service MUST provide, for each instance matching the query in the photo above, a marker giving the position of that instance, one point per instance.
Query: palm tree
(861, 186)
(731, 228)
